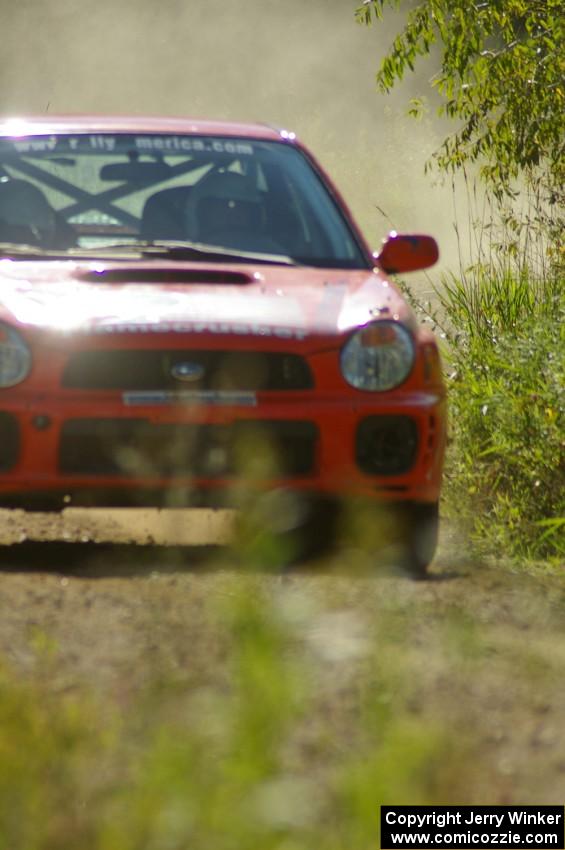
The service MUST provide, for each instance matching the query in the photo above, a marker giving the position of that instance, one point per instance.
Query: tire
(419, 530)
(281, 528)
(45, 505)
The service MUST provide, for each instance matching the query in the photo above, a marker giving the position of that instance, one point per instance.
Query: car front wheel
(281, 528)
(418, 532)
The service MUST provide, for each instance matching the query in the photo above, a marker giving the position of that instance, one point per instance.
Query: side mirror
(407, 253)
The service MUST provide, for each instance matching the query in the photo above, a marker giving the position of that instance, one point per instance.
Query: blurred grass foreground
(282, 717)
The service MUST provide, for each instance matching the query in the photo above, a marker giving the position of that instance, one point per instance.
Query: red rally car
(185, 304)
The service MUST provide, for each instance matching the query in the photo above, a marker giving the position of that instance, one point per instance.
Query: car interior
(27, 217)
(222, 209)
(103, 199)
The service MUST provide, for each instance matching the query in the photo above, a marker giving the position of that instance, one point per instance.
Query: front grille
(9, 441)
(135, 448)
(386, 445)
(177, 369)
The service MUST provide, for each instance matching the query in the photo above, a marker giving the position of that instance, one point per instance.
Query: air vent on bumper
(9, 441)
(386, 445)
(136, 448)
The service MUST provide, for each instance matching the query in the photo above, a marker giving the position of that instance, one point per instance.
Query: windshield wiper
(167, 249)
(161, 248)
(171, 249)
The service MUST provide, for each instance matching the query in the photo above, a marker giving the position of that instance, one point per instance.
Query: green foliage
(506, 355)
(501, 75)
(48, 742)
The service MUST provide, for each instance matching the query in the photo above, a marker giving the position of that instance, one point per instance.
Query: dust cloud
(302, 64)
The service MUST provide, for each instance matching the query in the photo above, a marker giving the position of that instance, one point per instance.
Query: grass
(309, 704)
(302, 706)
(502, 322)
(506, 359)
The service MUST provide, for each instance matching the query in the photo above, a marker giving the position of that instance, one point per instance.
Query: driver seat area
(25, 214)
(226, 209)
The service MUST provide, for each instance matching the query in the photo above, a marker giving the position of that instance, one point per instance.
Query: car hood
(283, 301)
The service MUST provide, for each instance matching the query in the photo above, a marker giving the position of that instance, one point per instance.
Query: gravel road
(121, 593)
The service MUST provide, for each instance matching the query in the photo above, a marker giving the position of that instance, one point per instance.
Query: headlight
(15, 356)
(378, 356)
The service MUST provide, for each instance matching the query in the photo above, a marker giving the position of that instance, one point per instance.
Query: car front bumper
(107, 450)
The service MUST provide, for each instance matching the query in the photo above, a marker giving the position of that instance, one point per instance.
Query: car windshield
(89, 192)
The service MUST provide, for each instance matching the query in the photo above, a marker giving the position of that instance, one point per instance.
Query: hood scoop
(165, 274)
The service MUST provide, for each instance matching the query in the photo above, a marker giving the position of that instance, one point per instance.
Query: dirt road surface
(120, 592)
